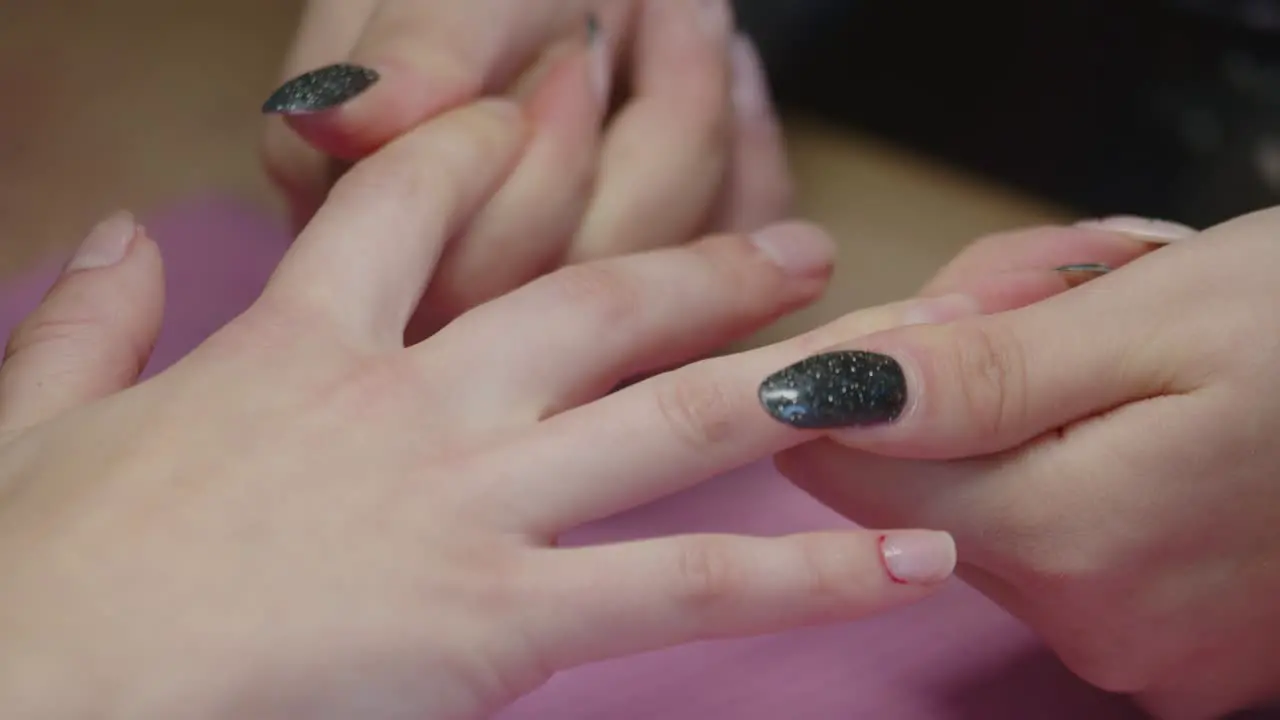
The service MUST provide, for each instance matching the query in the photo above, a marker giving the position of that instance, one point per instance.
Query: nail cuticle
(321, 89)
(843, 389)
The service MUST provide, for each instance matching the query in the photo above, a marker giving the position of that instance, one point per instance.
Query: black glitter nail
(837, 390)
(1082, 273)
(321, 89)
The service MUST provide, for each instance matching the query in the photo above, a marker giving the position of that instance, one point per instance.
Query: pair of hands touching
(311, 517)
(651, 124)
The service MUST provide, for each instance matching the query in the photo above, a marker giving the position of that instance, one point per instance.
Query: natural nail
(750, 90)
(797, 248)
(844, 389)
(106, 244)
(1082, 273)
(321, 89)
(918, 557)
(1147, 229)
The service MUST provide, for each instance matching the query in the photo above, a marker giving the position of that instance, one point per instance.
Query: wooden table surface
(133, 103)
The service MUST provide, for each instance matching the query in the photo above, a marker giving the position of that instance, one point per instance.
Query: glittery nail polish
(836, 390)
(322, 89)
(1082, 273)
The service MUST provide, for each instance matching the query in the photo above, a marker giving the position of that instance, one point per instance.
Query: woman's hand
(305, 518)
(692, 146)
(1105, 459)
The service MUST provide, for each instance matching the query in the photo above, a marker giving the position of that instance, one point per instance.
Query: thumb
(983, 384)
(415, 60)
(94, 332)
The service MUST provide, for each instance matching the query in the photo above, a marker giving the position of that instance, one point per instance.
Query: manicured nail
(106, 244)
(836, 390)
(716, 19)
(798, 248)
(1153, 231)
(1082, 273)
(750, 90)
(601, 60)
(321, 89)
(918, 557)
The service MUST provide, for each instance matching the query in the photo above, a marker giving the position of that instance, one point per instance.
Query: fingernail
(1150, 230)
(918, 557)
(799, 249)
(322, 89)
(601, 60)
(714, 16)
(750, 91)
(1082, 273)
(836, 390)
(939, 310)
(105, 245)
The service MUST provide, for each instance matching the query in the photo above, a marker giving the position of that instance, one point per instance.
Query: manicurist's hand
(1106, 460)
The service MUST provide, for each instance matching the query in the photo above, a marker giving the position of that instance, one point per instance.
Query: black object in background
(1168, 108)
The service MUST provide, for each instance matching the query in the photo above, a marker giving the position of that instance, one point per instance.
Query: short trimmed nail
(106, 244)
(601, 67)
(321, 89)
(834, 390)
(1082, 273)
(716, 18)
(796, 248)
(918, 557)
(1155, 231)
(750, 90)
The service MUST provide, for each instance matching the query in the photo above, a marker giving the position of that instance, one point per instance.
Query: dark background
(1166, 108)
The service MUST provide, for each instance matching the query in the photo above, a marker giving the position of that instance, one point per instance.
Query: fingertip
(368, 104)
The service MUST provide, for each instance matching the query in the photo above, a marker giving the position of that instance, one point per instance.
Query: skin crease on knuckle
(709, 577)
(990, 376)
(698, 409)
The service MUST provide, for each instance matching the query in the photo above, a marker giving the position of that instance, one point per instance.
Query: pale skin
(308, 518)
(658, 131)
(1107, 462)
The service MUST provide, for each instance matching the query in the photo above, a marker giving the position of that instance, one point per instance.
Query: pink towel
(956, 657)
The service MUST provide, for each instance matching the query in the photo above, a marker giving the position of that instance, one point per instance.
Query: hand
(693, 147)
(305, 518)
(1106, 461)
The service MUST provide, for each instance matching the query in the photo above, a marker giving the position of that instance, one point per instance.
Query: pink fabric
(955, 657)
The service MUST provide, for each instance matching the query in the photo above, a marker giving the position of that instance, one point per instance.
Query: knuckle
(598, 288)
(699, 411)
(707, 575)
(992, 378)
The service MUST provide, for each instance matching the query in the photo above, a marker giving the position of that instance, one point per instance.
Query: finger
(665, 155)
(363, 261)
(327, 31)
(638, 313)
(681, 427)
(93, 334)
(1038, 250)
(987, 384)
(758, 187)
(633, 597)
(673, 430)
(415, 60)
(522, 231)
